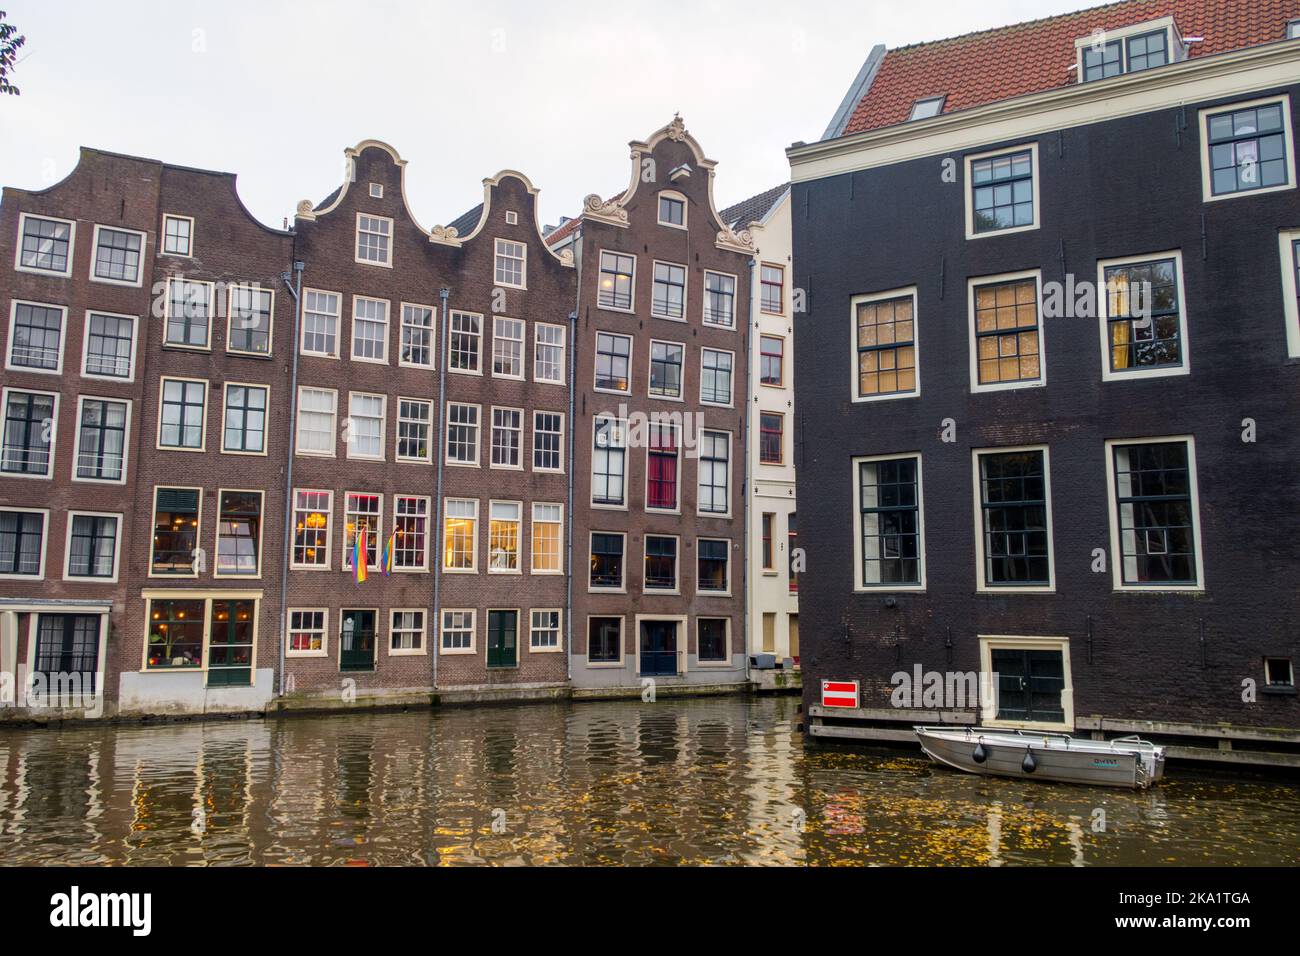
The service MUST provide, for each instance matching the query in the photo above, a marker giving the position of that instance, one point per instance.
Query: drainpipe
(443, 294)
(749, 492)
(295, 290)
(568, 599)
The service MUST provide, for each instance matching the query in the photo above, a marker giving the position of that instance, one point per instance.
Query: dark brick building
(1049, 431)
(208, 421)
(660, 428)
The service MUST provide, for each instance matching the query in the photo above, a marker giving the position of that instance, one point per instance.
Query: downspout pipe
(568, 599)
(443, 295)
(750, 398)
(295, 290)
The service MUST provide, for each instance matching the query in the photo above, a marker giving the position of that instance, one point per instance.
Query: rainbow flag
(386, 562)
(359, 554)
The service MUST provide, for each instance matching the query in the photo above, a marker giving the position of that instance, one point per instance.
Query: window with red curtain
(661, 467)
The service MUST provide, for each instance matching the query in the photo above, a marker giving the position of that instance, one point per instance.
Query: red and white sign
(840, 693)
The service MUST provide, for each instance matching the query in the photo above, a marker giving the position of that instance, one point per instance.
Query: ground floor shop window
(216, 634)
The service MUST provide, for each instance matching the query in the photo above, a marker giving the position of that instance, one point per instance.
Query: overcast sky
(275, 91)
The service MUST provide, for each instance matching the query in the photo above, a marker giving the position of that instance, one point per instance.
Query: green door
(230, 650)
(503, 639)
(357, 641)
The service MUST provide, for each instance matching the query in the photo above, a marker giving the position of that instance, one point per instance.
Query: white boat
(1126, 762)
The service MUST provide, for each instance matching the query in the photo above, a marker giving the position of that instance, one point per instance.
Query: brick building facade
(203, 415)
(1050, 434)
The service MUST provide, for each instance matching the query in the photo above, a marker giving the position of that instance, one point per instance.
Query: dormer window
(924, 109)
(1108, 53)
(672, 210)
(1293, 30)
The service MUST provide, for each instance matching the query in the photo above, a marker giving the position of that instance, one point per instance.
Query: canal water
(708, 781)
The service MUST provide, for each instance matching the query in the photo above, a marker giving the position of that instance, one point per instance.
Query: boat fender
(980, 755)
(1029, 764)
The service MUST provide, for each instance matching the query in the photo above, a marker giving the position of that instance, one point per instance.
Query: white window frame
(423, 649)
(1112, 510)
(497, 255)
(387, 323)
(1290, 304)
(126, 443)
(203, 428)
(67, 547)
(345, 550)
(478, 436)
(512, 218)
(266, 422)
(620, 429)
(433, 335)
(676, 589)
(1103, 294)
(478, 337)
(989, 707)
(649, 370)
(600, 261)
(920, 107)
(672, 194)
(538, 344)
(429, 519)
(261, 533)
(973, 341)
(731, 471)
(329, 531)
(504, 321)
(969, 190)
(255, 289)
(442, 531)
(521, 447)
(473, 631)
(622, 583)
(981, 584)
(735, 300)
(726, 662)
(1288, 135)
(1173, 40)
(631, 363)
(679, 476)
(731, 378)
(387, 263)
(45, 544)
(429, 423)
(559, 630)
(63, 338)
(563, 450)
(519, 537)
(532, 538)
(376, 190)
(686, 281)
(18, 251)
(94, 257)
(349, 451)
(708, 593)
(859, 585)
(153, 525)
(338, 323)
(54, 432)
(857, 300)
(167, 309)
(324, 612)
(163, 250)
(297, 423)
(622, 640)
(85, 346)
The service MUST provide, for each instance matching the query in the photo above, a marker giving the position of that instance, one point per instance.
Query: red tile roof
(1000, 64)
(564, 231)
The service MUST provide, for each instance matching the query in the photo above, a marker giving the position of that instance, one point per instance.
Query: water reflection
(720, 781)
